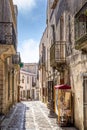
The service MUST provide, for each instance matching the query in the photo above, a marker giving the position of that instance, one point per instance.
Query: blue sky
(31, 25)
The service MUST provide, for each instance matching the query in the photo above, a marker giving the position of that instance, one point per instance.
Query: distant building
(28, 82)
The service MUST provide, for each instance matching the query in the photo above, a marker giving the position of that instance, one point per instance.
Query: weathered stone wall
(78, 68)
(43, 71)
(1, 86)
(5, 12)
(76, 61)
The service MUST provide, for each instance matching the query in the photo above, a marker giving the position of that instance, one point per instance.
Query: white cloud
(29, 51)
(25, 5)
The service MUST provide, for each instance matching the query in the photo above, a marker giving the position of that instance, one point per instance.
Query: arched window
(61, 28)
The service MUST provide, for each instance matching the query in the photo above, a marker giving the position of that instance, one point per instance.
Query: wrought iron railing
(81, 26)
(16, 58)
(58, 53)
(7, 34)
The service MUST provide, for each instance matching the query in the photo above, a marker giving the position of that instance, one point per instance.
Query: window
(43, 53)
(53, 33)
(8, 85)
(27, 79)
(85, 100)
(81, 23)
(33, 81)
(23, 93)
(23, 79)
(61, 28)
(85, 89)
(69, 37)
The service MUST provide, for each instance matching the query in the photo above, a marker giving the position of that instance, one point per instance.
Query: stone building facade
(28, 82)
(43, 67)
(9, 58)
(67, 55)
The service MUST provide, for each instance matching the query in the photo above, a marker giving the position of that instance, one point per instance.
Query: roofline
(22, 71)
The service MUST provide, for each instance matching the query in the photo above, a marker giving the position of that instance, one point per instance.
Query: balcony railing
(7, 34)
(16, 58)
(58, 53)
(81, 29)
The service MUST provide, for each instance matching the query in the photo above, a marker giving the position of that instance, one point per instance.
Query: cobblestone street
(31, 115)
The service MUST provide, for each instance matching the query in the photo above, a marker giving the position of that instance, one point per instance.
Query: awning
(62, 86)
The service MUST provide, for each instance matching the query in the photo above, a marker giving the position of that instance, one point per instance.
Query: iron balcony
(7, 34)
(58, 53)
(81, 29)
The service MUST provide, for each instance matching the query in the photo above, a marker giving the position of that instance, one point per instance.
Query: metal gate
(85, 101)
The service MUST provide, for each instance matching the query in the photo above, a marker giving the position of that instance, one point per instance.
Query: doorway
(85, 101)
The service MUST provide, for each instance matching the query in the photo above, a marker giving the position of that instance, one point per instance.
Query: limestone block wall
(16, 86)
(78, 66)
(1, 87)
(8, 86)
(5, 12)
(76, 61)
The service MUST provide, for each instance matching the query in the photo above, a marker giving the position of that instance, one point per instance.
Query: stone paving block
(45, 128)
(5, 122)
(3, 129)
(32, 115)
(30, 129)
(13, 129)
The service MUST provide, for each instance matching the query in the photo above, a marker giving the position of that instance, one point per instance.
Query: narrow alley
(30, 115)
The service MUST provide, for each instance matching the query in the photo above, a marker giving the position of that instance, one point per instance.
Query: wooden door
(85, 101)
